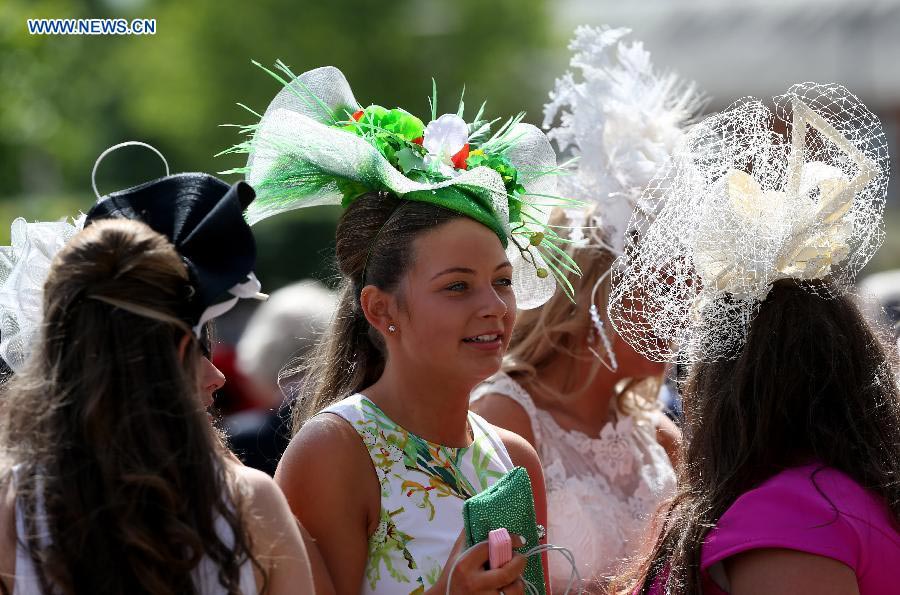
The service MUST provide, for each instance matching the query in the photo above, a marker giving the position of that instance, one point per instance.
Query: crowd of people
(498, 310)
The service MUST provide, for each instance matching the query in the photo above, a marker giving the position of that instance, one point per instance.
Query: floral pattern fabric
(423, 487)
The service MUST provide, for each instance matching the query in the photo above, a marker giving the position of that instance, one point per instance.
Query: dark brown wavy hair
(814, 382)
(374, 246)
(108, 431)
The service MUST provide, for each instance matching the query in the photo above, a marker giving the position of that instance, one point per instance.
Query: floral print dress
(423, 487)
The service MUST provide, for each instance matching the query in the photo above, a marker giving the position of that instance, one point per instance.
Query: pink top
(812, 509)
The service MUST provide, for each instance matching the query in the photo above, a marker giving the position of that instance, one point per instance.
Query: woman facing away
(792, 413)
(437, 243)
(113, 479)
(580, 394)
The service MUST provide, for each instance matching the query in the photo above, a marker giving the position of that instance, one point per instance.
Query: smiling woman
(426, 312)
(456, 317)
(439, 243)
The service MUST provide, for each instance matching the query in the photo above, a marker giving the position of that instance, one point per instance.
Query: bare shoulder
(330, 483)
(324, 432)
(669, 437)
(520, 451)
(325, 460)
(313, 451)
(780, 572)
(259, 490)
(503, 411)
(276, 536)
(266, 510)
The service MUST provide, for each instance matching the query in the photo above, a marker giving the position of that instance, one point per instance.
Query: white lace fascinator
(620, 119)
(24, 266)
(742, 206)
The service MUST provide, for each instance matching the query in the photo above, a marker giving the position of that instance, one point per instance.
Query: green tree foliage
(63, 99)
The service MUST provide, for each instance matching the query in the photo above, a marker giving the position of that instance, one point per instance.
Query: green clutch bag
(509, 503)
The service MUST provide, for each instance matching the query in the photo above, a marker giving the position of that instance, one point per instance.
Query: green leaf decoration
(408, 160)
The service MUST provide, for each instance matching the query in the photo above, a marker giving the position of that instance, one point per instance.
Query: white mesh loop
(741, 207)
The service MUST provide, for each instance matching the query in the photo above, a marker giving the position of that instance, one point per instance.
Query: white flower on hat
(444, 138)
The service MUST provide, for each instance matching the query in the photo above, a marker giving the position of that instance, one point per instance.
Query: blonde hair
(561, 329)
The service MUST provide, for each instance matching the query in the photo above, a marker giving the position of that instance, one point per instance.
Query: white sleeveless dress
(601, 490)
(423, 487)
(206, 575)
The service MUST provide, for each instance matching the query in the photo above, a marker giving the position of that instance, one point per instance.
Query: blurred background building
(761, 47)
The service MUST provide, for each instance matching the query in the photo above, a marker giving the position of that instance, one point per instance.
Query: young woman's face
(457, 306)
(209, 380)
(631, 363)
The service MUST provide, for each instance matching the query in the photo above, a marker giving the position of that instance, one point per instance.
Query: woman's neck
(587, 409)
(433, 410)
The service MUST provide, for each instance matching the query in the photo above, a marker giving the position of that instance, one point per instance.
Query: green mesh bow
(315, 145)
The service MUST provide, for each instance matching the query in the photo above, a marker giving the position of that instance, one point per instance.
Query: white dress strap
(481, 426)
(502, 383)
(26, 581)
(348, 408)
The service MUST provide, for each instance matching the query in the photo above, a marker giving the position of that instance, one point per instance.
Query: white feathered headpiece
(621, 121)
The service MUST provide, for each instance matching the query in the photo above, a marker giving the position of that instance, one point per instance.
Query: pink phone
(499, 547)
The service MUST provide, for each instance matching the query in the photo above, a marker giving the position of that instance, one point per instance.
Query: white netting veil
(742, 206)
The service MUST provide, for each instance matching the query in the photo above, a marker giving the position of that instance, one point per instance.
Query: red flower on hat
(459, 160)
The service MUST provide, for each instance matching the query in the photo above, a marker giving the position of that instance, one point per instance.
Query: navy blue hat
(203, 217)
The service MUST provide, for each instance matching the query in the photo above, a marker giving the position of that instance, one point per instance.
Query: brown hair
(374, 246)
(108, 432)
(813, 382)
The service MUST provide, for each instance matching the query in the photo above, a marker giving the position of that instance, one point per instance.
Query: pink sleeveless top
(812, 509)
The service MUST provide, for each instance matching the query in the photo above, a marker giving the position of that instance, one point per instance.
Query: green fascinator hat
(316, 145)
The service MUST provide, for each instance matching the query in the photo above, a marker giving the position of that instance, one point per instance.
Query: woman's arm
(785, 572)
(277, 543)
(331, 487)
(7, 533)
(523, 455)
(669, 437)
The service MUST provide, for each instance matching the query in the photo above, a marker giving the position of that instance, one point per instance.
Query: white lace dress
(601, 490)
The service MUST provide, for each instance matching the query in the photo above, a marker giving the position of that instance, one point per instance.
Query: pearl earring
(392, 328)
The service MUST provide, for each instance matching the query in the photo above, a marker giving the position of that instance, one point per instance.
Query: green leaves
(409, 160)
(376, 119)
(499, 164)
(392, 132)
